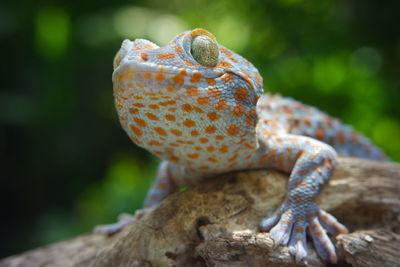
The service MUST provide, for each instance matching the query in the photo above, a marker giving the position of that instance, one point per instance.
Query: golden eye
(205, 50)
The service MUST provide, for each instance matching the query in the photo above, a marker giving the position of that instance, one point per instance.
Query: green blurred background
(66, 165)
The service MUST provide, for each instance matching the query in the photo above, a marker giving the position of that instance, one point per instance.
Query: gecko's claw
(288, 228)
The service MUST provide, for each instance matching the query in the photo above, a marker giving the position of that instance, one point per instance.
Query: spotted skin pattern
(204, 120)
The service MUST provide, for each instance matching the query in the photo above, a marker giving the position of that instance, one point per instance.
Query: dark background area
(66, 165)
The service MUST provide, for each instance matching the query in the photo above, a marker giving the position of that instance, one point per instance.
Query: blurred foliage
(65, 162)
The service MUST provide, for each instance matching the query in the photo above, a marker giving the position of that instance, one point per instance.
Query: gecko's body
(199, 107)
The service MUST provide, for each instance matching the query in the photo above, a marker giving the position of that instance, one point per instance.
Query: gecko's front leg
(312, 163)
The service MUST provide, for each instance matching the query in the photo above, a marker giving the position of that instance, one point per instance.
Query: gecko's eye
(205, 50)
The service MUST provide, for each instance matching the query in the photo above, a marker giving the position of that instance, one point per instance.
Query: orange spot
(302, 172)
(210, 129)
(233, 158)
(255, 100)
(340, 137)
(232, 130)
(166, 103)
(194, 133)
(153, 106)
(138, 97)
(271, 156)
(210, 148)
(251, 147)
(204, 167)
(151, 116)
(172, 109)
(160, 131)
(196, 77)
(213, 116)
(183, 71)
(214, 92)
(238, 110)
(176, 132)
(154, 143)
(187, 107)
(140, 122)
(164, 56)
(188, 63)
(287, 110)
(300, 230)
(227, 77)
(203, 140)
(320, 133)
(197, 148)
(170, 117)
(178, 49)
(192, 91)
(210, 81)
(226, 52)
(224, 64)
(223, 149)
(133, 111)
(280, 162)
(138, 105)
(219, 137)
(189, 123)
(306, 121)
(178, 79)
(241, 94)
(212, 159)
(355, 138)
(147, 75)
(202, 100)
(221, 105)
(193, 156)
(171, 88)
(198, 110)
(135, 130)
(160, 76)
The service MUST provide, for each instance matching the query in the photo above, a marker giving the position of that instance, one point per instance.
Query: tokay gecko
(200, 108)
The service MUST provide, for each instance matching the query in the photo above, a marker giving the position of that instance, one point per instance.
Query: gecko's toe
(281, 232)
(322, 243)
(267, 223)
(298, 242)
(331, 224)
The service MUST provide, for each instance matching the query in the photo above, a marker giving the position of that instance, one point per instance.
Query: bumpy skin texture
(210, 118)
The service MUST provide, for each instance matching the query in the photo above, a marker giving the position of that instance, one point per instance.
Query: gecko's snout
(128, 46)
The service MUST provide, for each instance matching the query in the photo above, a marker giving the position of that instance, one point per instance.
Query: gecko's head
(191, 88)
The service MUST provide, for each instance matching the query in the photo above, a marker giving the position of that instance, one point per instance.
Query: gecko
(200, 108)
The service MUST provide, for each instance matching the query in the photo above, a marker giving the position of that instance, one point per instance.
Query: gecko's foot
(288, 227)
(123, 220)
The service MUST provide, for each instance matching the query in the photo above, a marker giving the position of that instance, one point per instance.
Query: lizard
(200, 108)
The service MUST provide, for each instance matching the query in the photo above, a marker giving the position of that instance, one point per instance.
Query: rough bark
(215, 224)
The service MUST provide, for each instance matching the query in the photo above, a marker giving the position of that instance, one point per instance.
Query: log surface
(215, 224)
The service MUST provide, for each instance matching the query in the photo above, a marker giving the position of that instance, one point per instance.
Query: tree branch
(215, 224)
